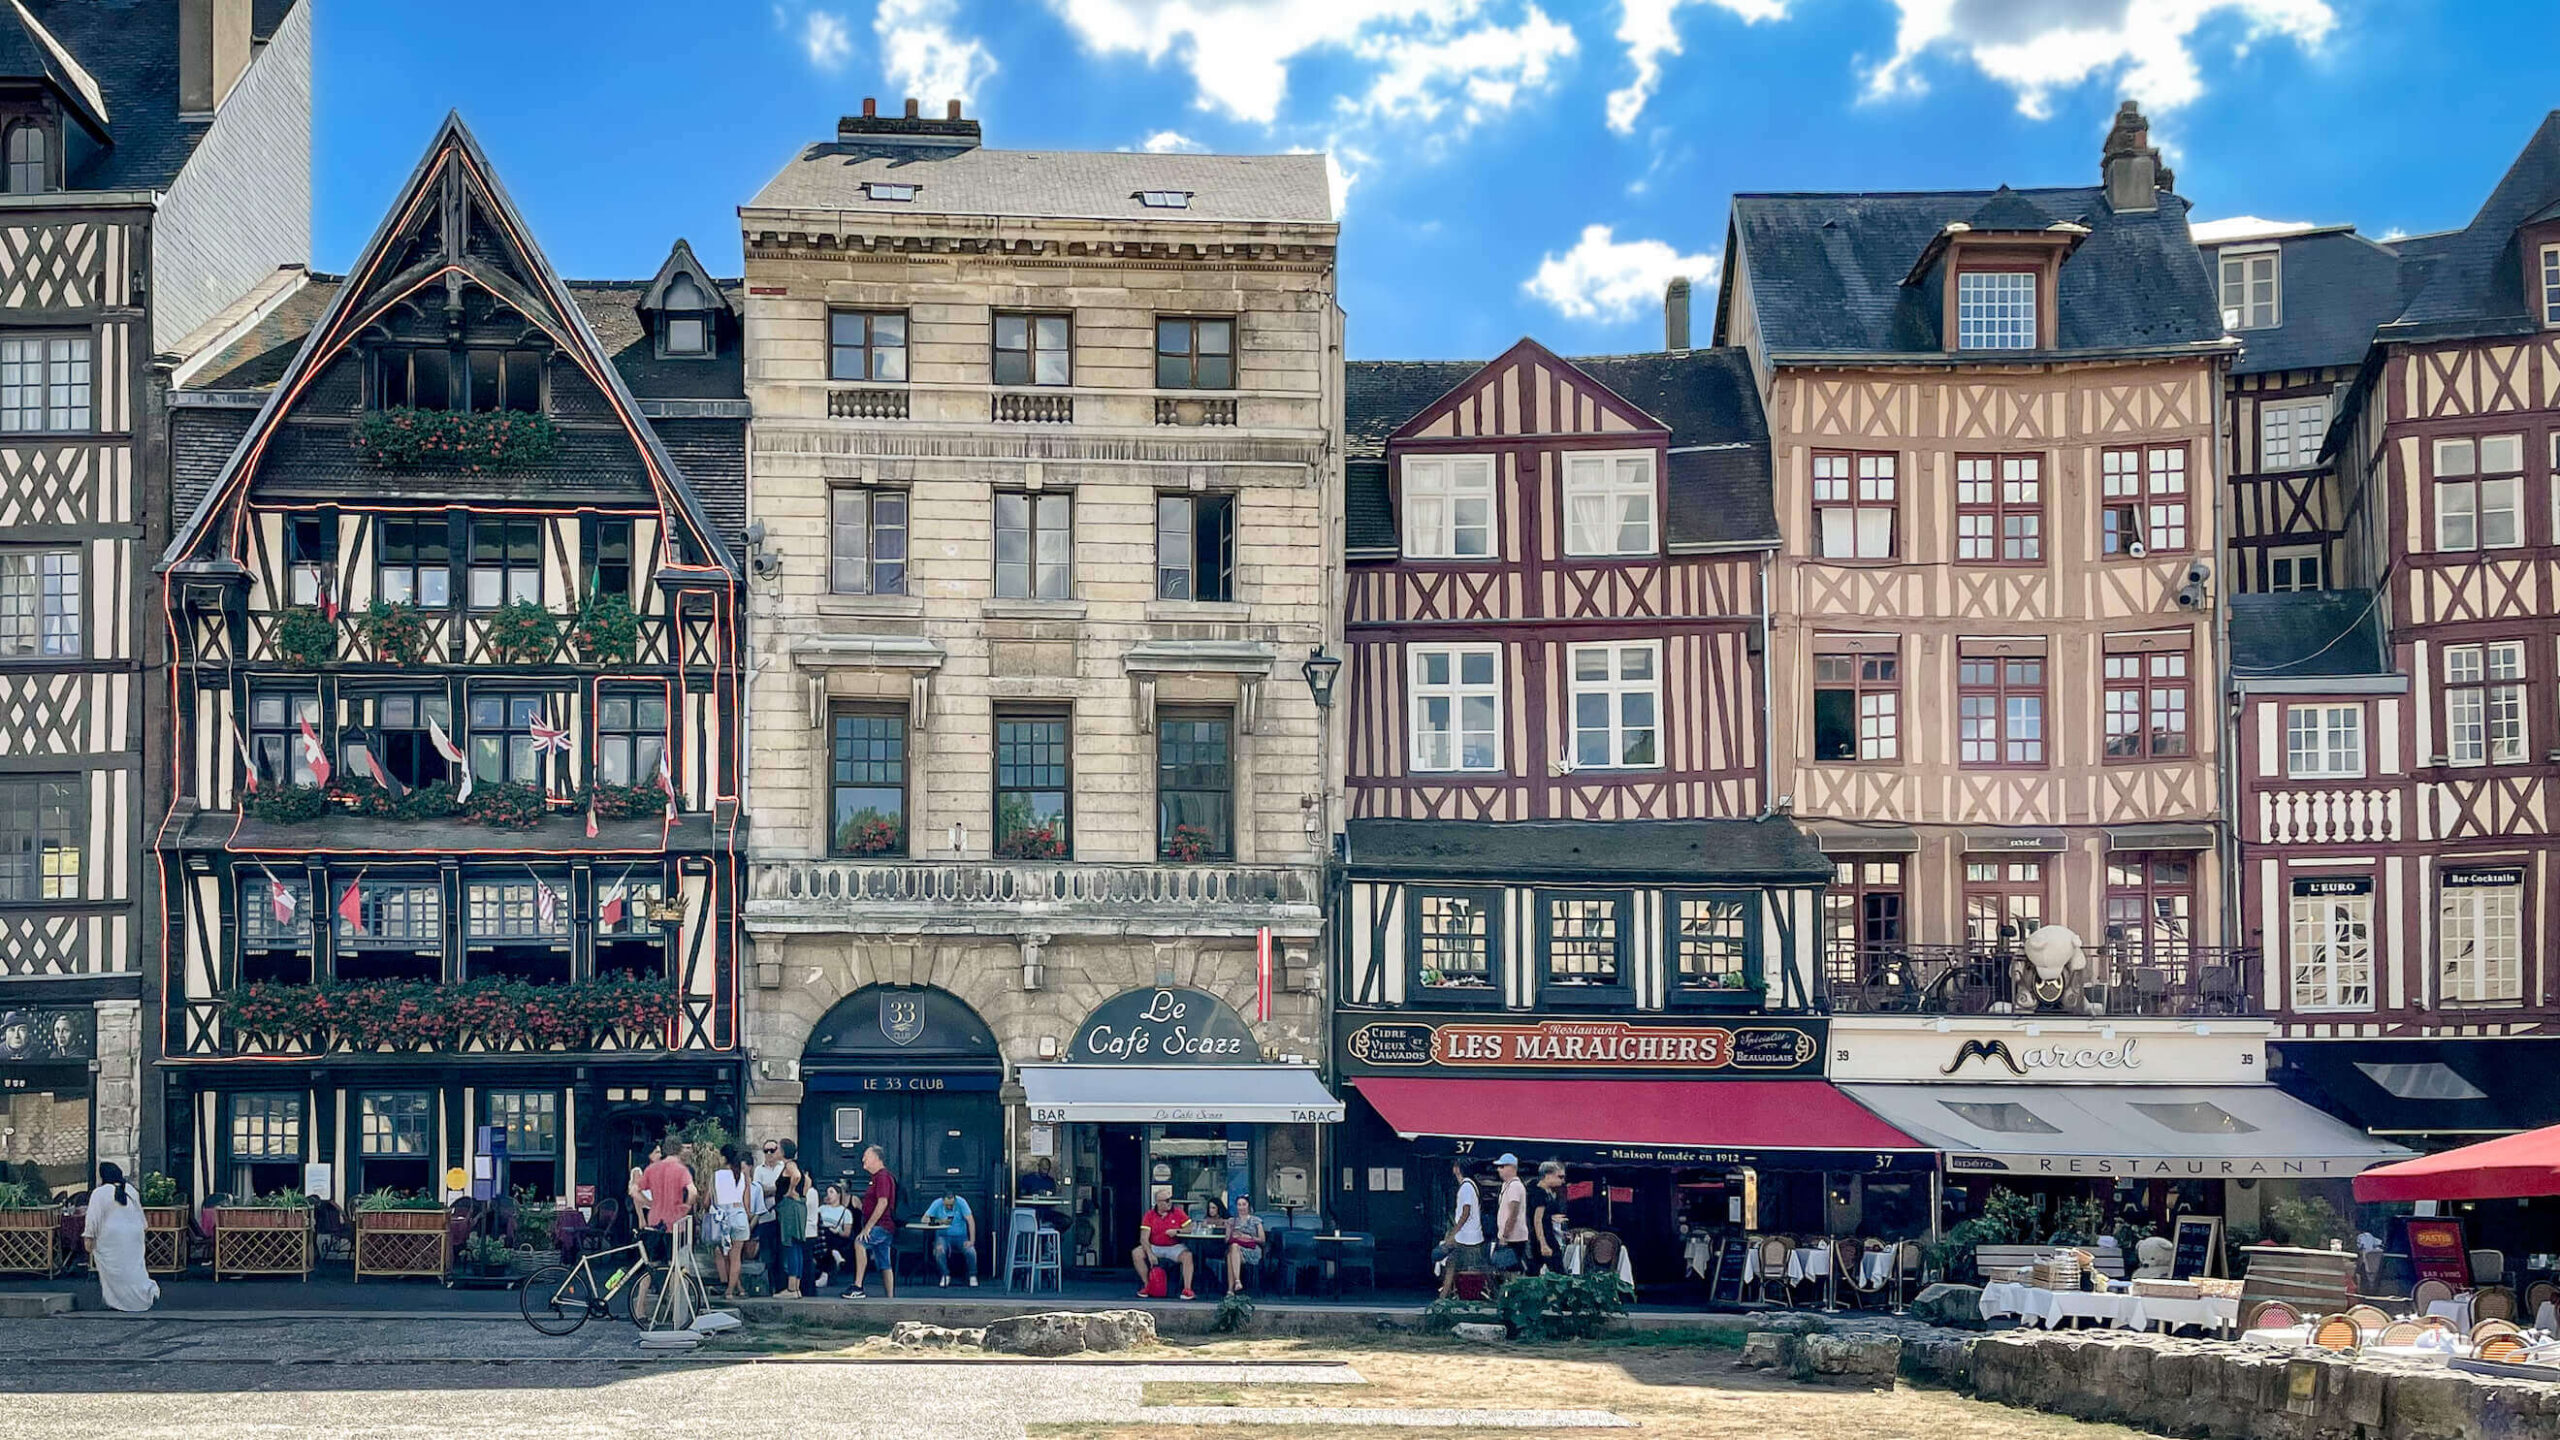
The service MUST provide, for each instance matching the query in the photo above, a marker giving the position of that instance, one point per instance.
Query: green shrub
(387, 1198)
(1557, 1306)
(2307, 1221)
(1441, 1314)
(607, 630)
(1235, 1314)
(397, 631)
(285, 804)
(18, 1195)
(465, 440)
(507, 807)
(306, 637)
(157, 1189)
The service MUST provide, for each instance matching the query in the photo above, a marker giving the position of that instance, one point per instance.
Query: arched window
(29, 171)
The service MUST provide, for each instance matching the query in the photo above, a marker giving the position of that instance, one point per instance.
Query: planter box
(164, 1239)
(31, 1241)
(261, 1242)
(402, 1242)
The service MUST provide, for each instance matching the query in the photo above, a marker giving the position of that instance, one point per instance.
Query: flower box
(164, 1239)
(262, 1240)
(402, 1242)
(31, 1241)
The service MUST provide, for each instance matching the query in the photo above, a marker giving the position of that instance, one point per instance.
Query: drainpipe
(1768, 699)
(2227, 769)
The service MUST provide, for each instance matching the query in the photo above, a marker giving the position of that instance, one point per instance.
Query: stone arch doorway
(913, 1070)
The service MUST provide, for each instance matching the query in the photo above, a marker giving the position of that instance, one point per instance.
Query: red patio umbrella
(2510, 1167)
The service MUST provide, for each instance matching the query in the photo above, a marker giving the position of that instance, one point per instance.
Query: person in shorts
(1466, 1231)
(1158, 1242)
(876, 1243)
(732, 1188)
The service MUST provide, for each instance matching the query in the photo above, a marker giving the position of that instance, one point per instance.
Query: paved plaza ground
(178, 1376)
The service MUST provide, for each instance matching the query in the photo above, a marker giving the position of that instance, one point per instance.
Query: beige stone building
(1042, 461)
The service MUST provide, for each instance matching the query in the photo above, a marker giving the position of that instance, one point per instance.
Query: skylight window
(2422, 1080)
(888, 190)
(1165, 199)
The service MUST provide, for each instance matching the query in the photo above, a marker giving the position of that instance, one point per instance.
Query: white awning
(2138, 1132)
(1178, 1095)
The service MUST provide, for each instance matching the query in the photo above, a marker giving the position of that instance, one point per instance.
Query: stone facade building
(1044, 524)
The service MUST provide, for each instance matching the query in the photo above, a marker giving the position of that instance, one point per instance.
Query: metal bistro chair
(2494, 1302)
(1032, 1249)
(1357, 1255)
(2488, 1267)
(2336, 1332)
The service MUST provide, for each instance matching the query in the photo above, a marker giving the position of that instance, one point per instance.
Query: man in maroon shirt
(879, 1233)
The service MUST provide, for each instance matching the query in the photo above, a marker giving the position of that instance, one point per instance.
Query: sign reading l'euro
(1590, 1045)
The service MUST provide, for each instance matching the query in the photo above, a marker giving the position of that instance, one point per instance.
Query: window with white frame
(2249, 290)
(2480, 932)
(2289, 433)
(2551, 284)
(1448, 507)
(2479, 491)
(39, 603)
(2484, 703)
(1617, 706)
(44, 383)
(2324, 742)
(2296, 567)
(2145, 500)
(1608, 504)
(1457, 707)
(1996, 310)
(1853, 506)
(2332, 959)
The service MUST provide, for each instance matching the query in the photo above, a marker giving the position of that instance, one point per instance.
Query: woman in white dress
(114, 1232)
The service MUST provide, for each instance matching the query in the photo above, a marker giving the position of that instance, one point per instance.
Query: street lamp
(1321, 670)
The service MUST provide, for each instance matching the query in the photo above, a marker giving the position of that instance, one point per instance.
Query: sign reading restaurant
(1664, 1045)
(2160, 1167)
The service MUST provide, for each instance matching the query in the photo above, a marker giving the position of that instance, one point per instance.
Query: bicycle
(557, 1299)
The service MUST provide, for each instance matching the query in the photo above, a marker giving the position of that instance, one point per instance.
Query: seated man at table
(958, 1235)
(1158, 1242)
(1245, 1237)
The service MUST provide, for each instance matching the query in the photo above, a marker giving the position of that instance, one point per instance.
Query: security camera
(2199, 572)
(2191, 596)
(2136, 549)
(755, 532)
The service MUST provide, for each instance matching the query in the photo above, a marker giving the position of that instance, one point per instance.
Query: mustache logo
(1985, 1051)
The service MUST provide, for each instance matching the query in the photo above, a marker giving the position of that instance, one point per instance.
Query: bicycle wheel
(556, 1299)
(643, 1291)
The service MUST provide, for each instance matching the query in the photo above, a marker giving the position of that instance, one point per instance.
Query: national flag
(667, 785)
(546, 905)
(1262, 975)
(545, 737)
(248, 759)
(373, 766)
(351, 904)
(281, 902)
(452, 754)
(610, 912)
(315, 755)
(591, 815)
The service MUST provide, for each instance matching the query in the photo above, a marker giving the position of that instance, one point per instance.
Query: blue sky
(1514, 166)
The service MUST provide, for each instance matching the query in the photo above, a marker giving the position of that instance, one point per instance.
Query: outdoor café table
(2457, 1310)
(1874, 1269)
(1332, 1259)
(1204, 1238)
(2214, 1312)
(2283, 1337)
(1813, 1262)
(2050, 1308)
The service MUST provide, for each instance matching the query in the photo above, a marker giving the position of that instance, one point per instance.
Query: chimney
(213, 52)
(952, 111)
(870, 108)
(909, 137)
(2130, 166)
(911, 107)
(1675, 314)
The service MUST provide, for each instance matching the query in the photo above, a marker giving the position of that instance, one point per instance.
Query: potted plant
(471, 441)
(626, 802)
(1036, 841)
(399, 1233)
(164, 1224)
(870, 835)
(267, 1235)
(521, 632)
(306, 637)
(397, 631)
(30, 1230)
(1187, 844)
(285, 804)
(507, 807)
(607, 632)
(484, 1257)
(364, 797)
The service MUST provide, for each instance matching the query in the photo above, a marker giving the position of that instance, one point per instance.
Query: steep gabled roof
(117, 61)
(681, 261)
(29, 51)
(2333, 288)
(454, 174)
(2475, 276)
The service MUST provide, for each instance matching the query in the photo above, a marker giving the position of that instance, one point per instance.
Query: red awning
(1678, 1115)
(2510, 1167)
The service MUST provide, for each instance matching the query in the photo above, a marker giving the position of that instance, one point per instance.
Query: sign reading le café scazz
(1657, 1044)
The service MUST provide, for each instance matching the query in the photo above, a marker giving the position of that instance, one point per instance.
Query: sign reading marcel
(1658, 1045)
(1991, 1050)
(1164, 1025)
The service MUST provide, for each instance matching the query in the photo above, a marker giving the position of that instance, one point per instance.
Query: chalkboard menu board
(2199, 1247)
(1733, 1270)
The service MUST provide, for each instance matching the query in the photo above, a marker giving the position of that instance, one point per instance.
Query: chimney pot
(1675, 314)
(911, 107)
(870, 108)
(953, 110)
(2129, 165)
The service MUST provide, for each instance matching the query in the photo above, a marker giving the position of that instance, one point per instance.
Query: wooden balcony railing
(2351, 815)
(2122, 978)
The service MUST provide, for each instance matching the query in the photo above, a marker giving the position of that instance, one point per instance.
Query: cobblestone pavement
(187, 1380)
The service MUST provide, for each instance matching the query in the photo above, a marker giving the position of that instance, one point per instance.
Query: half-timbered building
(155, 159)
(1567, 913)
(450, 861)
(1993, 617)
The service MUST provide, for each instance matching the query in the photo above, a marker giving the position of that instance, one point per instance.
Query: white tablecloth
(2457, 1310)
(1875, 1269)
(2049, 1308)
(1698, 1255)
(1811, 1263)
(2282, 1337)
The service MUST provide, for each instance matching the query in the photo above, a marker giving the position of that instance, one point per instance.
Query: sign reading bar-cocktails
(1653, 1045)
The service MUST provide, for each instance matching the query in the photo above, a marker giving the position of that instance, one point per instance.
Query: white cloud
(2036, 47)
(1171, 142)
(1645, 27)
(823, 38)
(1605, 278)
(921, 56)
(1430, 55)
(1338, 179)
(2245, 227)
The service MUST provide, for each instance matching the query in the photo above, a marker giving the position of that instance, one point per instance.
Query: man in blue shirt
(959, 1235)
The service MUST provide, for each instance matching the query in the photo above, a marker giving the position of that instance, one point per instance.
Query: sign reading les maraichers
(1164, 1025)
(1619, 1045)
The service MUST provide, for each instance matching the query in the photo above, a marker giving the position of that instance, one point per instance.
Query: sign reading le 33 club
(1663, 1045)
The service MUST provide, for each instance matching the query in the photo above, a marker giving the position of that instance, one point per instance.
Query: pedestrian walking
(876, 1242)
(1546, 1218)
(1510, 1216)
(1465, 1240)
(732, 1188)
(113, 1230)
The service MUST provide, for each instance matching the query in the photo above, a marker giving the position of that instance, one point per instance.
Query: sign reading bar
(1608, 1045)
(1164, 1025)
(2483, 877)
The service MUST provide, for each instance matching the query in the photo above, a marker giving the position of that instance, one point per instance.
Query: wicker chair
(1909, 1271)
(2400, 1332)
(2271, 1315)
(2537, 1295)
(2429, 1292)
(2435, 1322)
(2491, 1329)
(2369, 1317)
(2493, 1302)
(1771, 1273)
(2336, 1332)
(2502, 1349)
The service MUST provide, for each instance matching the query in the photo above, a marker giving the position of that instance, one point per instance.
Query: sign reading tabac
(1622, 1046)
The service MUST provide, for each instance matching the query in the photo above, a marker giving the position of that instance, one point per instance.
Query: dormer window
(2250, 293)
(30, 158)
(889, 191)
(1996, 310)
(2551, 284)
(1165, 199)
(684, 328)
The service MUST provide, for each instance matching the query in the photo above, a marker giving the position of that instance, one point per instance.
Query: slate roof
(2334, 286)
(1826, 272)
(131, 48)
(2476, 275)
(1719, 490)
(1054, 183)
(2306, 635)
(1774, 850)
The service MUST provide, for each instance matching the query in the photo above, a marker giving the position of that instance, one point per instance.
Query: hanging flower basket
(628, 802)
(464, 440)
(521, 632)
(507, 807)
(306, 637)
(417, 1016)
(364, 797)
(1187, 844)
(398, 631)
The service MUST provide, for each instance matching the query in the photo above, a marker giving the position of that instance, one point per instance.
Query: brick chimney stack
(952, 111)
(2130, 165)
(870, 108)
(1675, 314)
(911, 107)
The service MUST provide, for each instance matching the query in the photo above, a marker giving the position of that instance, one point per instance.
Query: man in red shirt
(669, 1184)
(1157, 1242)
(878, 1237)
